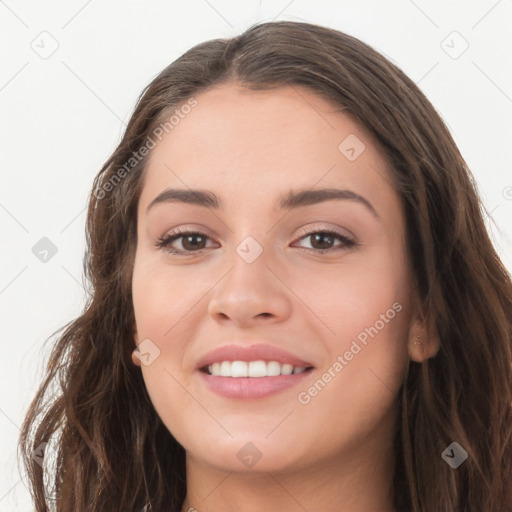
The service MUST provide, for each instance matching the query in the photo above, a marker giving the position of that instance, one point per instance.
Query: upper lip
(251, 353)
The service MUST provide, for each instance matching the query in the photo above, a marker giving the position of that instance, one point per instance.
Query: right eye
(191, 242)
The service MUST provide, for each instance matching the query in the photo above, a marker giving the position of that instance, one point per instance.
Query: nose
(251, 294)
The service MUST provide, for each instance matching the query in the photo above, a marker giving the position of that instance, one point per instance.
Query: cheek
(162, 298)
(362, 293)
(158, 308)
(353, 396)
(166, 304)
(366, 310)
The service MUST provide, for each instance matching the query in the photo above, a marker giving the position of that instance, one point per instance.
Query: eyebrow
(293, 199)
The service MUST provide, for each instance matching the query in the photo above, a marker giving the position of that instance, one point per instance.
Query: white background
(62, 116)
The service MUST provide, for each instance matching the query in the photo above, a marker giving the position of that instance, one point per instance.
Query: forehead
(245, 144)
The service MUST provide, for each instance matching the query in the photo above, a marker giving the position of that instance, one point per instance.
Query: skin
(333, 453)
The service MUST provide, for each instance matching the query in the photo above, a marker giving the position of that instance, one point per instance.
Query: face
(319, 286)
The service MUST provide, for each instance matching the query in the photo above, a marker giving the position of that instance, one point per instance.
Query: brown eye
(190, 242)
(193, 242)
(325, 241)
(322, 241)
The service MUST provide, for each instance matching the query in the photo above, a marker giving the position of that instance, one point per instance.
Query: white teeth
(257, 369)
(239, 369)
(286, 369)
(252, 369)
(273, 368)
(225, 369)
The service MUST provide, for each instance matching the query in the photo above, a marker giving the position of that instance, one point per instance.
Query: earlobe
(135, 352)
(423, 343)
(135, 357)
(423, 347)
(416, 350)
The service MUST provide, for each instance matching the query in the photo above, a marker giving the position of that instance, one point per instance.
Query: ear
(423, 340)
(135, 353)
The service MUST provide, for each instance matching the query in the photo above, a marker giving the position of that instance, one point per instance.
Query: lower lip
(251, 387)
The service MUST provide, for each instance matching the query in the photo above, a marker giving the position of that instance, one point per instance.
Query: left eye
(191, 241)
(322, 241)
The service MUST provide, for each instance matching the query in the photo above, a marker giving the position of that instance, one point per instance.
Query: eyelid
(312, 228)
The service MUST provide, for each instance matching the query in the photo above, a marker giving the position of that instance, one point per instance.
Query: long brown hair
(109, 449)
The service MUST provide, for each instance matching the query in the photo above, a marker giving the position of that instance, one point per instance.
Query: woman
(295, 303)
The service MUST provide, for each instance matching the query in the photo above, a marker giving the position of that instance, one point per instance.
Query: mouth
(251, 372)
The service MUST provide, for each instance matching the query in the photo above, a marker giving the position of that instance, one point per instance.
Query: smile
(251, 372)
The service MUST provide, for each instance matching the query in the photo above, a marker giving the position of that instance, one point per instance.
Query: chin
(248, 454)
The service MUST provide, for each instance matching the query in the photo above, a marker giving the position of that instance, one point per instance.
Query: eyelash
(165, 241)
